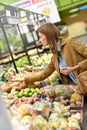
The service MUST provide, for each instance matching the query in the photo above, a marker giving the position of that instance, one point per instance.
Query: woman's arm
(81, 52)
(31, 77)
(41, 75)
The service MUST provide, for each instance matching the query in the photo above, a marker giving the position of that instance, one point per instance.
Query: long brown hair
(52, 34)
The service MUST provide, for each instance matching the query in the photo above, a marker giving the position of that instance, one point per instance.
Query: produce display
(26, 92)
(31, 107)
(45, 109)
(35, 60)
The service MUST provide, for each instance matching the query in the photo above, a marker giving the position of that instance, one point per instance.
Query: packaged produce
(48, 91)
(40, 123)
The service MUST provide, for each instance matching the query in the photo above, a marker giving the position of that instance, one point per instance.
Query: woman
(72, 52)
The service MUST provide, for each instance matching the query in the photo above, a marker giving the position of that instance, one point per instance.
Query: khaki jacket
(74, 52)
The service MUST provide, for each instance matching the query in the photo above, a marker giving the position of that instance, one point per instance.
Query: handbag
(82, 82)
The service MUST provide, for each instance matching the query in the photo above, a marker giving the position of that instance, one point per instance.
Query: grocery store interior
(28, 107)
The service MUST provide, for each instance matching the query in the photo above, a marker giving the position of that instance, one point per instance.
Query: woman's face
(43, 39)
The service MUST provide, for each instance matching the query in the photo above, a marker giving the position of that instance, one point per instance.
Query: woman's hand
(66, 70)
(21, 77)
(15, 79)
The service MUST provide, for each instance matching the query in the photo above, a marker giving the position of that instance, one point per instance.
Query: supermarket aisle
(83, 38)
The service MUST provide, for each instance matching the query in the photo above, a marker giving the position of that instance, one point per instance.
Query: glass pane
(64, 2)
(76, 0)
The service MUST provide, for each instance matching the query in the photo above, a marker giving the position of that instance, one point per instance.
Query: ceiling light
(73, 15)
(74, 10)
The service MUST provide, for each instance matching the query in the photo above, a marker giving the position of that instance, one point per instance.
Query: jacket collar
(63, 41)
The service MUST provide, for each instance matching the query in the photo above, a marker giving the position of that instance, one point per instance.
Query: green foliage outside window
(9, 1)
